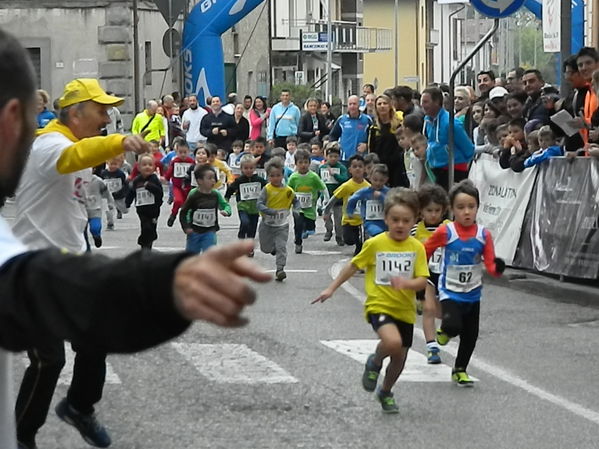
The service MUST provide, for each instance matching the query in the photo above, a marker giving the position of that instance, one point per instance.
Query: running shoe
(461, 378)
(171, 221)
(442, 337)
(88, 426)
(340, 243)
(280, 275)
(110, 227)
(371, 374)
(119, 214)
(298, 249)
(328, 236)
(433, 356)
(309, 233)
(97, 241)
(387, 402)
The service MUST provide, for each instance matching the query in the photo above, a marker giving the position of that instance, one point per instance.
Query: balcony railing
(347, 37)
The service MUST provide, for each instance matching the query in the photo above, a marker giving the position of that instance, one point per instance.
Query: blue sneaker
(433, 356)
(371, 374)
(88, 426)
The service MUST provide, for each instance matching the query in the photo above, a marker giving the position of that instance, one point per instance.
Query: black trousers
(442, 177)
(352, 235)
(39, 383)
(461, 318)
(301, 224)
(280, 141)
(148, 231)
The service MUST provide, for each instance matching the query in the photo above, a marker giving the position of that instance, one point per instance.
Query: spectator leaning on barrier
(587, 60)
(351, 130)
(486, 82)
(436, 130)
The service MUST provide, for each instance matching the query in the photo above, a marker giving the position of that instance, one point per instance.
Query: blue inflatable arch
(203, 58)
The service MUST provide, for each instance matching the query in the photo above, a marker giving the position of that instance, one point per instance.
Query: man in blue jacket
(284, 120)
(351, 130)
(436, 130)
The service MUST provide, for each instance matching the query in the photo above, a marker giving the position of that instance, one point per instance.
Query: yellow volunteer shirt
(344, 191)
(155, 128)
(381, 258)
(279, 197)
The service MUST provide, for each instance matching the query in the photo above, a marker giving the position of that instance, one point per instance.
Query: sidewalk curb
(581, 293)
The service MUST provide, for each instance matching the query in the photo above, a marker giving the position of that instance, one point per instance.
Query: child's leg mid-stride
(461, 318)
(198, 243)
(244, 224)
(273, 240)
(395, 340)
(299, 226)
(429, 313)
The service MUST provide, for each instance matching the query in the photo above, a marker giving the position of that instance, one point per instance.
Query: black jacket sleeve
(504, 158)
(120, 306)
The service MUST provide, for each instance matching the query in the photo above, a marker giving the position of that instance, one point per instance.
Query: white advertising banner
(551, 26)
(504, 197)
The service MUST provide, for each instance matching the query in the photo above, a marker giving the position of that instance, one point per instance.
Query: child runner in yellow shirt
(396, 267)
(351, 225)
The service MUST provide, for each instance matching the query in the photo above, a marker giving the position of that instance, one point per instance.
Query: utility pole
(329, 91)
(136, 95)
(565, 34)
(395, 37)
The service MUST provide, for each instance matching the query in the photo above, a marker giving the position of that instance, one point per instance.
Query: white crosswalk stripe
(416, 370)
(233, 363)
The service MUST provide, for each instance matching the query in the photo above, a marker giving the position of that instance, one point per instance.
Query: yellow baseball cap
(85, 89)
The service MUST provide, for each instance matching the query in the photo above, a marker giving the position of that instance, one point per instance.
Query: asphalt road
(291, 378)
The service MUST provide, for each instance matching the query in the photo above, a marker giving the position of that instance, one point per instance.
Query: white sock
(432, 345)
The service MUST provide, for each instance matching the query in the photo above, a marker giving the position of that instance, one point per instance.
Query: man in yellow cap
(50, 211)
(149, 123)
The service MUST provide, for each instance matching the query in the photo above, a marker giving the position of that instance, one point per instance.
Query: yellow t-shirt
(344, 191)
(279, 197)
(422, 233)
(224, 173)
(383, 257)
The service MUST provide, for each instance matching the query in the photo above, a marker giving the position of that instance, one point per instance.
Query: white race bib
(143, 197)
(304, 199)
(328, 175)
(249, 191)
(393, 264)
(204, 218)
(113, 184)
(261, 172)
(434, 263)
(278, 219)
(194, 181)
(463, 278)
(180, 169)
(374, 210)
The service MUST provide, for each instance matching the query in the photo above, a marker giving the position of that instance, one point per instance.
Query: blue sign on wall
(497, 9)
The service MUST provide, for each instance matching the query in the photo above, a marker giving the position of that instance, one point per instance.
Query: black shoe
(171, 221)
(22, 445)
(328, 236)
(88, 426)
(280, 275)
(97, 241)
(273, 252)
(119, 214)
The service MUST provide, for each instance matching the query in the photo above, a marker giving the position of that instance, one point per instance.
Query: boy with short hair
(234, 161)
(282, 154)
(307, 186)
(176, 174)
(395, 265)
(515, 144)
(414, 160)
(291, 144)
(274, 203)
(116, 182)
(199, 214)
(370, 201)
(247, 188)
(548, 149)
(258, 150)
(316, 154)
(370, 160)
(333, 173)
(351, 224)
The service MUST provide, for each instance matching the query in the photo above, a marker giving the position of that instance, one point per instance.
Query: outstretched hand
(324, 295)
(212, 287)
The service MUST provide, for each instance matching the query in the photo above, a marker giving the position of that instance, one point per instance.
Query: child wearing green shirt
(307, 187)
(333, 173)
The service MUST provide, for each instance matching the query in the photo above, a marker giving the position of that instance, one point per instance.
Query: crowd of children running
(414, 260)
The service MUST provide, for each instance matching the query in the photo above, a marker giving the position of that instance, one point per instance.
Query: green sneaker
(371, 374)
(442, 337)
(387, 402)
(462, 379)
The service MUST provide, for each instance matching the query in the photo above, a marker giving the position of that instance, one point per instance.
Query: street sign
(314, 42)
(497, 9)
(171, 35)
(176, 7)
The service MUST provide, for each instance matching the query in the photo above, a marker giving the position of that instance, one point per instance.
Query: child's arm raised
(346, 273)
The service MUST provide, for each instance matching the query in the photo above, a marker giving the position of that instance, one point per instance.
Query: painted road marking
(315, 252)
(233, 363)
(489, 368)
(416, 370)
(67, 372)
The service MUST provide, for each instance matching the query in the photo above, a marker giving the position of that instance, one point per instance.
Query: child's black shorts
(406, 330)
(432, 280)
